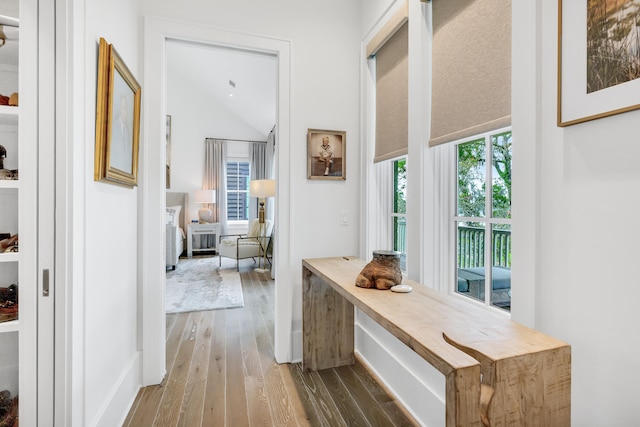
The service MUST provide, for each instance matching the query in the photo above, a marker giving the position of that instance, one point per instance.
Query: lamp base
(262, 270)
(205, 216)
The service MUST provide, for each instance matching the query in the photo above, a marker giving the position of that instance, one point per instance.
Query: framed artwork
(598, 59)
(117, 120)
(326, 154)
(168, 152)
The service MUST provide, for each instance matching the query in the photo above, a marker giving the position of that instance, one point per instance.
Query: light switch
(344, 217)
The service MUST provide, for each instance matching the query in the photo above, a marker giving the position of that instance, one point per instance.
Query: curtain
(392, 92)
(262, 167)
(215, 178)
(270, 169)
(444, 244)
(471, 68)
(258, 171)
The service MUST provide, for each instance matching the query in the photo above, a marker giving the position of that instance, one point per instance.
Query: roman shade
(471, 69)
(390, 48)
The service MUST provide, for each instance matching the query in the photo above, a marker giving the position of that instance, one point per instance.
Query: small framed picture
(117, 120)
(326, 154)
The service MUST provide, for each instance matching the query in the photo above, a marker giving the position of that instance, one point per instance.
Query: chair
(241, 246)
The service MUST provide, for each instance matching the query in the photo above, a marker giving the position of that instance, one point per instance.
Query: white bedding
(176, 213)
(180, 238)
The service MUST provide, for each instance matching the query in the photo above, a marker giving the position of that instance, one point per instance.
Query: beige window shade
(392, 96)
(471, 68)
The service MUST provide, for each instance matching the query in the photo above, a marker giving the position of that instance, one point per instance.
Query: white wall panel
(111, 240)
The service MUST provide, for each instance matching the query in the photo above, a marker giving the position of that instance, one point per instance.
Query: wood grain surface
(497, 371)
(221, 372)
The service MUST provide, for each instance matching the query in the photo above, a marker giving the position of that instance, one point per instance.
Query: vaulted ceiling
(243, 82)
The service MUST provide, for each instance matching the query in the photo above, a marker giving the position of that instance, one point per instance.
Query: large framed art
(117, 120)
(598, 59)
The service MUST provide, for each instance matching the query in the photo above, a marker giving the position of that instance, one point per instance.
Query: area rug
(200, 284)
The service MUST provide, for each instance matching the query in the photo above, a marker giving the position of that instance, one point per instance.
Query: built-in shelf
(8, 110)
(8, 115)
(9, 183)
(9, 257)
(11, 326)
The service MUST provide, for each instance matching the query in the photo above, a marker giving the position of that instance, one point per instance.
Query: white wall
(104, 368)
(585, 185)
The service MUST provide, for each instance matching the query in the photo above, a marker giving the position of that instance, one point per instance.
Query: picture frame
(117, 120)
(588, 89)
(326, 154)
(168, 151)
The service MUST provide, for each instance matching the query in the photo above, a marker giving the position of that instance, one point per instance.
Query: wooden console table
(497, 371)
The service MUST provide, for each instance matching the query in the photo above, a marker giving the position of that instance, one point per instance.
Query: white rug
(199, 284)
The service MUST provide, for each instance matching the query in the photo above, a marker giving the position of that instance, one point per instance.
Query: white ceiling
(212, 67)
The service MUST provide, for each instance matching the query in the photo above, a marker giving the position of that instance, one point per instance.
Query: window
(238, 176)
(399, 215)
(483, 219)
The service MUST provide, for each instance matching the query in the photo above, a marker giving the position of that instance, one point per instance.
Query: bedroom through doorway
(221, 135)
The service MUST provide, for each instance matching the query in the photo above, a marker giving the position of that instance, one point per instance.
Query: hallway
(221, 372)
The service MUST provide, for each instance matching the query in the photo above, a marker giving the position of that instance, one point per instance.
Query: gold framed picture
(168, 152)
(117, 120)
(326, 154)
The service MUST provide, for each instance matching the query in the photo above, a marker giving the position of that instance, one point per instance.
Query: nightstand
(196, 229)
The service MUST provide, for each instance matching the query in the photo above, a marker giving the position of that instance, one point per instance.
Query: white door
(46, 209)
(36, 211)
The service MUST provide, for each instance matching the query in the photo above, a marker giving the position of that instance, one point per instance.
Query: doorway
(221, 93)
(157, 33)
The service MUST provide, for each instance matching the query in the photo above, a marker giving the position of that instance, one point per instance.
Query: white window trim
(241, 222)
(445, 233)
(393, 214)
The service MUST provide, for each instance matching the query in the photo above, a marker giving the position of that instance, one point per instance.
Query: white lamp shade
(262, 188)
(205, 196)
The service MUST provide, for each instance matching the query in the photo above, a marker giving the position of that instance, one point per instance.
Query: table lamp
(205, 215)
(262, 188)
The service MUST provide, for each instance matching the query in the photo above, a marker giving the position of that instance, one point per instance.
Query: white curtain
(444, 231)
(258, 152)
(262, 158)
(215, 178)
(270, 169)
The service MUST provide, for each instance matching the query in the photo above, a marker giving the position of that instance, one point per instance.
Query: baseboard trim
(416, 385)
(116, 407)
(296, 346)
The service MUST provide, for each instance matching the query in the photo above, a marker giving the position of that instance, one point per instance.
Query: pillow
(172, 216)
(254, 228)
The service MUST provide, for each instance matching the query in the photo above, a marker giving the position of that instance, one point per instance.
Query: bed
(176, 215)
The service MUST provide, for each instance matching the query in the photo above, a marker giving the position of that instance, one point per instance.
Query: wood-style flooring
(221, 372)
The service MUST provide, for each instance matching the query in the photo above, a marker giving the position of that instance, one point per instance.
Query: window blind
(471, 69)
(392, 90)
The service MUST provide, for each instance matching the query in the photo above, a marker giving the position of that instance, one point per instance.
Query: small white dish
(401, 288)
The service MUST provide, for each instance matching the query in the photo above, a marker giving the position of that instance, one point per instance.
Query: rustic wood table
(498, 372)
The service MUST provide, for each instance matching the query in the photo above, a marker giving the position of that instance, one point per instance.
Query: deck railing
(400, 243)
(471, 247)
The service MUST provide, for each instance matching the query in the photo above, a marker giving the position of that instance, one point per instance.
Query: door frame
(152, 318)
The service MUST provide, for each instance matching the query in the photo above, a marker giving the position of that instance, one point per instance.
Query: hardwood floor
(221, 372)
